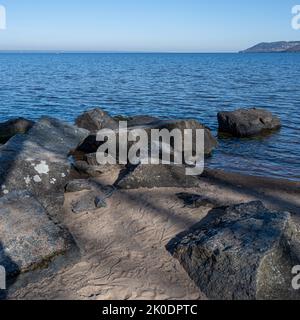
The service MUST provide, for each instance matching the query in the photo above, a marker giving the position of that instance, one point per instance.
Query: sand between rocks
(122, 247)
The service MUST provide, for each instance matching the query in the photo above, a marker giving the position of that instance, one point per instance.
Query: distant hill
(280, 46)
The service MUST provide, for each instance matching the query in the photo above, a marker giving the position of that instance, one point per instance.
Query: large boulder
(12, 127)
(247, 122)
(91, 145)
(241, 252)
(210, 142)
(38, 162)
(141, 120)
(157, 176)
(95, 120)
(28, 238)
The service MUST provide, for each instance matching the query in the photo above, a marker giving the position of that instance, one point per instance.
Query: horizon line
(116, 51)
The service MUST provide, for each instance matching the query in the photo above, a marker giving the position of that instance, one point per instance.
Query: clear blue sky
(145, 25)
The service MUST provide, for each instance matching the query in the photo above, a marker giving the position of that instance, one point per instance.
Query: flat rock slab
(28, 238)
(38, 161)
(158, 176)
(247, 122)
(241, 252)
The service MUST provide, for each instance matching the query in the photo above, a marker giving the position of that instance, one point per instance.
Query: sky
(145, 25)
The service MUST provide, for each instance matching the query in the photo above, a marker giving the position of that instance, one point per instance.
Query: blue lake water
(167, 85)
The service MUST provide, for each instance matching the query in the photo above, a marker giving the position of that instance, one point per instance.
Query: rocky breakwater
(94, 120)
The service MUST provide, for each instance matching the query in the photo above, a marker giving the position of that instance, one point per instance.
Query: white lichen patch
(63, 175)
(42, 168)
(5, 191)
(52, 181)
(37, 179)
(27, 180)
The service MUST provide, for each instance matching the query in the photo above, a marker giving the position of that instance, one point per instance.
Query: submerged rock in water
(241, 252)
(28, 238)
(12, 127)
(95, 120)
(247, 122)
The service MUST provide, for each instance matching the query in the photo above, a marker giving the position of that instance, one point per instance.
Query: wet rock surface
(247, 122)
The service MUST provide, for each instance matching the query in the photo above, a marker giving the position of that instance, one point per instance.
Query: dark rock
(210, 142)
(88, 145)
(12, 127)
(141, 120)
(95, 170)
(89, 201)
(91, 145)
(95, 120)
(152, 176)
(247, 122)
(84, 168)
(133, 121)
(84, 203)
(241, 252)
(100, 202)
(196, 201)
(28, 238)
(38, 162)
(78, 185)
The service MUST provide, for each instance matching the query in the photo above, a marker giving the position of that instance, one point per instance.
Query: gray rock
(196, 201)
(12, 127)
(28, 238)
(89, 201)
(91, 145)
(84, 203)
(157, 176)
(210, 142)
(100, 202)
(141, 120)
(95, 170)
(78, 185)
(91, 160)
(95, 120)
(38, 162)
(247, 122)
(241, 252)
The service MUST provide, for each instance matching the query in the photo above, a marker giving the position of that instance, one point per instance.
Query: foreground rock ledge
(28, 237)
(241, 252)
(38, 162)
(247, 122)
